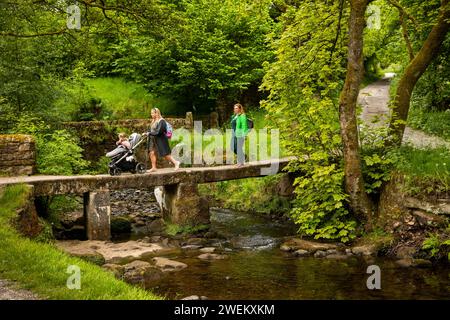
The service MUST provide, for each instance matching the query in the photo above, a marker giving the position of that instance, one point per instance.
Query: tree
(415, 69)
(209, 61)
(354, 181)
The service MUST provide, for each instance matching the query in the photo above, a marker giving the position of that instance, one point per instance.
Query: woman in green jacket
(239, 132)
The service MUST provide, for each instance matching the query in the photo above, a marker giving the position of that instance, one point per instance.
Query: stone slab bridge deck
(179, 197)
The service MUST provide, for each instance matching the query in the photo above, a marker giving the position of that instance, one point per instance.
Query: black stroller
(123, 159)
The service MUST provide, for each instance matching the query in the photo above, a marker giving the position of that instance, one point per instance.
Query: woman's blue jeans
(237, 145)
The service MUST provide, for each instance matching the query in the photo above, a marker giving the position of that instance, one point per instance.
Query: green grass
(427, 170)
(253, 194)
(127, 100)
(42, 268)
(435, 123)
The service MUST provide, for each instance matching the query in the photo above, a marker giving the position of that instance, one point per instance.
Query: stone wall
(17, 155)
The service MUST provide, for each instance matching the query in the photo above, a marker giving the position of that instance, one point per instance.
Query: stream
(255, 268)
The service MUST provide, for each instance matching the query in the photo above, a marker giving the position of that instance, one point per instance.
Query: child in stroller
(122, 157)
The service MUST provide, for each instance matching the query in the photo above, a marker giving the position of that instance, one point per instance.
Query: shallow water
(257, 269)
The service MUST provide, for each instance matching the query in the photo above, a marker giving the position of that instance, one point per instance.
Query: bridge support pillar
(97, 214)
(182, 204)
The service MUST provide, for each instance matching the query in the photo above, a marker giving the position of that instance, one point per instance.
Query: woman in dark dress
(157, 140)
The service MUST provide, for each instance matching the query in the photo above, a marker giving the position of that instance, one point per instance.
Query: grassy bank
(432, 122)
(253, 195)
(427, 171)
(42, 268)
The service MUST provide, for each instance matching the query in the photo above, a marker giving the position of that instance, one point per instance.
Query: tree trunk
(354, 183)
(223, 108)
(415, 69)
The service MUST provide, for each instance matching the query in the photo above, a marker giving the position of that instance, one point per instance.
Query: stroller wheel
(115, 171)
(140, 168)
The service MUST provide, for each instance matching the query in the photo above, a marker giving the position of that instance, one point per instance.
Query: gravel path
(9, 292)
(375, 98)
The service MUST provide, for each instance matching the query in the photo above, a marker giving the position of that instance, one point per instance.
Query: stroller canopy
(134, 139)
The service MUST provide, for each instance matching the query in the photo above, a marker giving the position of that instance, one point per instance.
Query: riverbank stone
(295, 244)
(116, 269)
(79, 250)
(212, 256)
(405, 252)
(111, 252)
(191, 247)
(168, 265)
(365, 250)
(410, 262)
(301, 253)
(137, 272)
(320, 254)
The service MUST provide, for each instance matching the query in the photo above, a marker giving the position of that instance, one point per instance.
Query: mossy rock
(97, 259)
(120, 225)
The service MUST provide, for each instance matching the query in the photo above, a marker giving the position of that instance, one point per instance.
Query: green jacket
(241, 125)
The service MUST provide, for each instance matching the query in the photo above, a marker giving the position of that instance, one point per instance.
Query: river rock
(311, 246)
(138, 271)
(405, 263)
(208, 250)
(428, 219)
(82, 250)
(331, 251)
(211, 256)
(365, 250)
(405, 252)
(115, 269)
(320, 254)
(111, 252)
(301, 253)
(439, 208)
(72, 219)
(197, 241)
(211, 234)
(156, 226)
(167, 265)
(410, 262)
(422, 263)
(191, 247)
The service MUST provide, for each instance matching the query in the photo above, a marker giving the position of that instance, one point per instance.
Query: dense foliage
(289, 56)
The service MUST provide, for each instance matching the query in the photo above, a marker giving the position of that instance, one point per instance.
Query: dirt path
(375, 98)
(9, 292)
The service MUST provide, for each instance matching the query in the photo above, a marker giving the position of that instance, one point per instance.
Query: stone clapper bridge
(181, 202)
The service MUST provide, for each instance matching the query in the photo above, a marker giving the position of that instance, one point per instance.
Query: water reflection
(257, 269)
